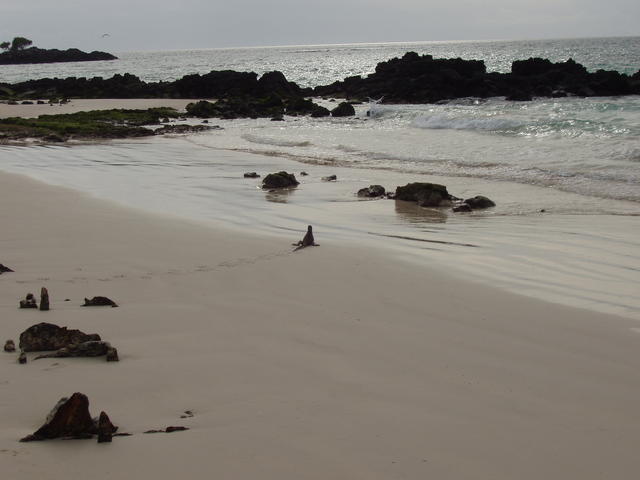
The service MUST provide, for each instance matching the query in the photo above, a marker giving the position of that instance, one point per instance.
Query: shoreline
(331, 362)
(580, 252)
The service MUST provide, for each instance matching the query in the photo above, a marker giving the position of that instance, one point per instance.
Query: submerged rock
(479, 202)
(47, 336)
(372, 191)
(279, 180)
(463, 207)
(330, 178)
(9, 346)
(251, 175)
(22, 358)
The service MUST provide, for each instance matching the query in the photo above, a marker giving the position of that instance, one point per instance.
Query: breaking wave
(442, 121)
(276, 142)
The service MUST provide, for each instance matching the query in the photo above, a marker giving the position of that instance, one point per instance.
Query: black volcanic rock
(423, 79)
(70, 418)
(40, 55)
(279, 180)
(479, 202)
(4, 269)
(344, 109)
(372, 191)
(47, 336)
(99, 302)
(425, 194)
(411, 79)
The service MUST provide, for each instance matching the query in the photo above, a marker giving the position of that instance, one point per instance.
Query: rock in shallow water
(425, 194)
(279, 180)
(373, 191)
(479, 202)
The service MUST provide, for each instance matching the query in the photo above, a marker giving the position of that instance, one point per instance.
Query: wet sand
(332, 362)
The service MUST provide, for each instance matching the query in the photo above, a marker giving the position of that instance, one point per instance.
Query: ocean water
(563, 172)
(311, 65)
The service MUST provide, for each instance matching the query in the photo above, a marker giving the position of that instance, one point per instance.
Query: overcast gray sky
(178, 24)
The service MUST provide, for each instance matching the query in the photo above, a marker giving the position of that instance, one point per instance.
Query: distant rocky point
(40, 55)
(19, 51)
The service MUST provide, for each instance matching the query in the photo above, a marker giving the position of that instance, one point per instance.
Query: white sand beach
(330, 362)
(83, 104)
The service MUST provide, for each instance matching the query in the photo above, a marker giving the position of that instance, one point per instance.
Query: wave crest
(276, 142)
(493, 124)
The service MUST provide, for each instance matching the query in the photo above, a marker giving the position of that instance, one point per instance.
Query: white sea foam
(276, 142)
(441, 121)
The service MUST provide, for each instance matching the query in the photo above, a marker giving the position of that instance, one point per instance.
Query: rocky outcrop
(412, 78)
(302, 106)
(344, 109)
(69, 418)
(99, 302)
(423, 79)
(238, 107)
(47, 336)
(425, 194)
(41, 55)
(279, 180)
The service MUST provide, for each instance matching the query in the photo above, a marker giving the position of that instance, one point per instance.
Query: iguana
(307, 241)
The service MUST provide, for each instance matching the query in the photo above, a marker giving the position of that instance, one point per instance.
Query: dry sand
(81, 105)
(328, 363)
